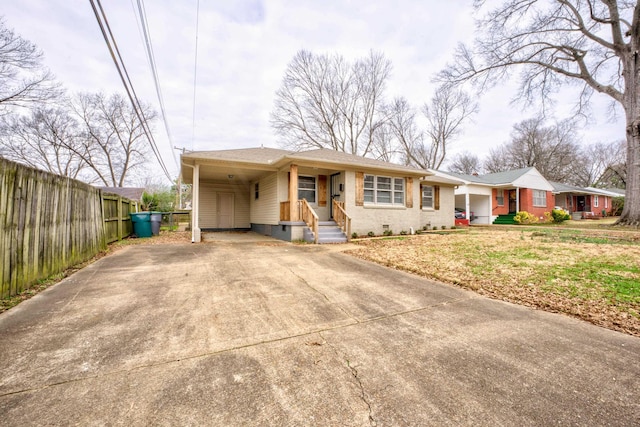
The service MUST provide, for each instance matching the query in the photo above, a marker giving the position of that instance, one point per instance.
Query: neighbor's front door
(225, 210)
(512, 201)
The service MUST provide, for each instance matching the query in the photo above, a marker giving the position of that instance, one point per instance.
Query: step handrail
(341, 218)
(309, 217)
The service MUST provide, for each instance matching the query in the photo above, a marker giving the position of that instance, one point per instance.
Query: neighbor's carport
(270, 333)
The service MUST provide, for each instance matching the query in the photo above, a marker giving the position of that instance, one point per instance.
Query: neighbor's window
(500, 197)
(383, 190)
(427, 197)
(539, 198)
(257, 190)
(595, 201)
(307, 188)
(606, 202)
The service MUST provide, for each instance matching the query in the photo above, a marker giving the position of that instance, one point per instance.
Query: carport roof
(498, 178)
(263, 158)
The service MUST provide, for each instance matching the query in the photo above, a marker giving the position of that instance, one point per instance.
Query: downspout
(195, 203)
(517, 199)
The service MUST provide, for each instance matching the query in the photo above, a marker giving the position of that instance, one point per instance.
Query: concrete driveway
(268, 333)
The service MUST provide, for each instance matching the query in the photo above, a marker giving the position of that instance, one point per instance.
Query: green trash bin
(141, 224)
(156, 219)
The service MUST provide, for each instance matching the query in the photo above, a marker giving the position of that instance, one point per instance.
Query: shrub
(524, 217)
(453, 227)
(418, 231)
(444, 227)
(387, 232)
(403, 233)
(354, 235)
(617, 204)
(435, 227)
(559, 215)
(371, 234)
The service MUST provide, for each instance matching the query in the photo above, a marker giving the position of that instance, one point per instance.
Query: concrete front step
(328, 232)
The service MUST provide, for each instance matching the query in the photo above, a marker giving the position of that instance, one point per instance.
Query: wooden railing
(341, 218)
(285, 211)
(309, 217)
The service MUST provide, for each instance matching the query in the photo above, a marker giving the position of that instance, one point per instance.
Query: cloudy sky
(244, 47)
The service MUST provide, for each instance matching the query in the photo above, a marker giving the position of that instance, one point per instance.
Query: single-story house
(496, 197)
(308, 194)
(586, 202)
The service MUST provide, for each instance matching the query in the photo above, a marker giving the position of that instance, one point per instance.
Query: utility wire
(154, 71)
(122, 71)
(195, 74)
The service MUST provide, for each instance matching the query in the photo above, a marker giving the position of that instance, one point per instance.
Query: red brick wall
(500, 209)
(526, 202)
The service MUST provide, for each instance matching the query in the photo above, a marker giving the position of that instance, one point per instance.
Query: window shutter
(322, 190)
(359, 188)
(436, 197)
(421, 190)
(409, 192)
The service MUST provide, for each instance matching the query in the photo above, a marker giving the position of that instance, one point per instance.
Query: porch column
(195, 205)
(517, 199)
(293, 193)
(467, 208)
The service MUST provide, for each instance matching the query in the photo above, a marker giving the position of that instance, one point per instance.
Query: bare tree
(445, 115)
(466, 163)
(23, 79)
(401, 121)
(448, 110)
(42, 140)
(555, 42)
(114, 144)
(552, 150)
(326, 102)
(602, 165)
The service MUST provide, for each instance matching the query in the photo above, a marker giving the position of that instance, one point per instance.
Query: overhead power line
(154, 71)
(126, 81)
(195, 74)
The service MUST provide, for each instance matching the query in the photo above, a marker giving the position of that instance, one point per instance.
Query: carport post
(195, 205)
(466, 205)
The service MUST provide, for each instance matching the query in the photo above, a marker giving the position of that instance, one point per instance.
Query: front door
(512, 201)
(334, 189)
(225, 210)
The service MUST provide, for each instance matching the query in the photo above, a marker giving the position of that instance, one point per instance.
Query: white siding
(208, 209)
(266, 209)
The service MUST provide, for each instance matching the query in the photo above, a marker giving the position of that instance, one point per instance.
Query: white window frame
(500, 197)
(540, 198)
(596, 201)
(376, 186)
(314, 189)
(426, 205)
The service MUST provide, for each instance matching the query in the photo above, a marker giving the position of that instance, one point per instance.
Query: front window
(307, 188)
(539, 198)
(383, 190)
(500, 197)
(596, 201)
(427, 197)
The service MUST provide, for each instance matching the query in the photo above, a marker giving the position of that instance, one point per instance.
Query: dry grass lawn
(593, 274)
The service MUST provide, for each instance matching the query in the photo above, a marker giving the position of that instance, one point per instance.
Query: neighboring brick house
(494, 195)
(586, 202)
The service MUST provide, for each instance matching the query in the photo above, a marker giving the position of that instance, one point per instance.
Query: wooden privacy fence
(117, 221)
(49, 223)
